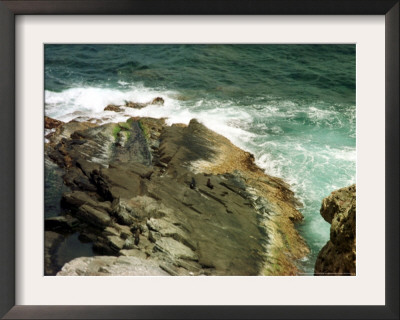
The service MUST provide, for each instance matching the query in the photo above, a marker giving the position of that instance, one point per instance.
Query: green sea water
(292, 106)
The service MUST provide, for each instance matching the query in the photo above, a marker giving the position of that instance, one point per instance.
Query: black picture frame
(8, 11)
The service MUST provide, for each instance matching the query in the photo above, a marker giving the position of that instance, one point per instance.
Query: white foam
(88, 103)
(348, 154)
(225, 118)
(93, 100)
(271, 163)
(319, 114)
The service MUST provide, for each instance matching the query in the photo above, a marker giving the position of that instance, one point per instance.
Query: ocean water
(292, 106)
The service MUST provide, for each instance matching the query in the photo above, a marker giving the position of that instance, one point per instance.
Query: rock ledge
(338, 256)
(181, 198)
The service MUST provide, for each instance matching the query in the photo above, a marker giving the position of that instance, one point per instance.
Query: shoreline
(285, 245)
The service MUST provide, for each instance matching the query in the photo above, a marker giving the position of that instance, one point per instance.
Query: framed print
(201, 161)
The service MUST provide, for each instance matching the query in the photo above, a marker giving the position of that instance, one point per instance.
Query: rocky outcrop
(135, 105)
(64, 131)
(111, 266)
(50, 123)
(132, 194)
(112, 107)
(338, 256)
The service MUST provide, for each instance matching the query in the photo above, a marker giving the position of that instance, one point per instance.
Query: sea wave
(88, 103)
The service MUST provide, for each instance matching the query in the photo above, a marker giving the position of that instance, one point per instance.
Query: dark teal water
(292, 106)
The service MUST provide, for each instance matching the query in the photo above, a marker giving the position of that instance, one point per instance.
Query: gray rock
(116, 243)
(111, 231)
(111, 266)
(74, 200)
(141, 172)
(175, 249)
(338, 256)
(129, 244)
(154, 236)
(133, 253)
(94, 216)
(123, 212)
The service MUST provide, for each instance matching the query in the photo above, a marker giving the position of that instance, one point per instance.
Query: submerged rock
(137, 105)
(158, 101)
(338, 256)
(132, 196)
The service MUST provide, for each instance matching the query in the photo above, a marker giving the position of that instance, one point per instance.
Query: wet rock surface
(158, 101)
(133, 197)
(112, 107)
(136, 105)
(338, 256)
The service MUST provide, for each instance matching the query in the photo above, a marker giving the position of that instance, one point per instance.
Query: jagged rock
(111, 231)
(112, 107)
(76, 199)
(98, 218)
(116, 243)
(64, 131)
(158, 101)
(338, 203)
(123, 212)
(129, 244)
(136, 105)
(111, 266)
(82, 183)
(50, 123)
(175, 249)
(154, 236)
(125, 231)
(243, 225)
(144, 229)
(338, 256)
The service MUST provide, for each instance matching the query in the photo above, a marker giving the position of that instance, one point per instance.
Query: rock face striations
(338, 256)
(132, 196)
